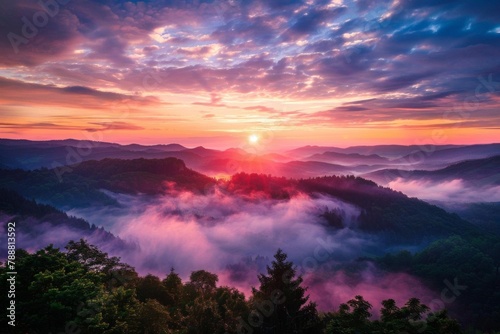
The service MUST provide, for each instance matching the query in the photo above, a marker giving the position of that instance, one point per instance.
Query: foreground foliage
(83, 290)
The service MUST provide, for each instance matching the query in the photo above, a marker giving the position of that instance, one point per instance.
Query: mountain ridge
(474, 171)
(382, 209)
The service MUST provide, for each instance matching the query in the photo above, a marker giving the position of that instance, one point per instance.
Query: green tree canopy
(281, 300)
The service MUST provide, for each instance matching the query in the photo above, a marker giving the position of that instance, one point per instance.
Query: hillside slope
(37, 225)
(80, 185)
(478, 172)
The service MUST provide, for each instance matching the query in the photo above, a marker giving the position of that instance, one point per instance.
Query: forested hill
(389, 211)
(141, 175)
(79, 185)
(476, 172)
(382, 210)
(37, 223)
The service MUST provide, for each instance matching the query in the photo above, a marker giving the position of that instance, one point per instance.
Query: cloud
(23, 93)
(288, 50)
(448, 191)
(37, 125)
(25, 43)
(350, 108)
(33, 234)
(262, 109)
(236, 237)
(114, 126)
(330, 289)
(310, 21)
(220, 229)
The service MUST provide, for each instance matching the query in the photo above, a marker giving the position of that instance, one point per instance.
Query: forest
(81, 289)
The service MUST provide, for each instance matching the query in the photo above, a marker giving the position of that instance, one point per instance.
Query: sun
(253, 139)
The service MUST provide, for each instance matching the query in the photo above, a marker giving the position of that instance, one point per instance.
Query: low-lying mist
(190, 231)
(456, 190)
(333, 288)
(236, 237)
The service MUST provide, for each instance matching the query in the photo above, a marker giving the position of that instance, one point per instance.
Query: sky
(218, 73)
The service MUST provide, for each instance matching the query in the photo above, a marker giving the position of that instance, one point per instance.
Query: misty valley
(250, 167)
(366, 256)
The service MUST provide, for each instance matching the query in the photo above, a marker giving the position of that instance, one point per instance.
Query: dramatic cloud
(414, 60)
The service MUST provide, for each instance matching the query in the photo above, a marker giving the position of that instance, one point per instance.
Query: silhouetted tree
(150, 287)
(352, 317)
(280, 304)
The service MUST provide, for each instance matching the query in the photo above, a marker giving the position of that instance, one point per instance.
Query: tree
(390, 311)
(173, 284)
(280, 303)
(410, 319)
(414, 310)
(57, 296)
(393, 319)
(203, 317)
(202, 310)
(150, 287)
(154, 318)
(50, 290)
(114, 312)
(231, 305)
(352, 317)
(114, 272)
(203, 281)
(439, 322)
(175, 290)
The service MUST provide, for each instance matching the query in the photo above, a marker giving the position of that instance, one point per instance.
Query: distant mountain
(304, 169)
(153, 148)
(202, 151)
(27, 154)
(236, 152)
(307, 161)
(306, 151)
(387, 151)
(348, 159)
(292, 169)
(478, 172)
(38, 225)
(452, 155)
(276, 157)
(396, 151)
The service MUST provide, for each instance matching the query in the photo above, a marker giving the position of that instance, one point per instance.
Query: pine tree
(280, 304)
